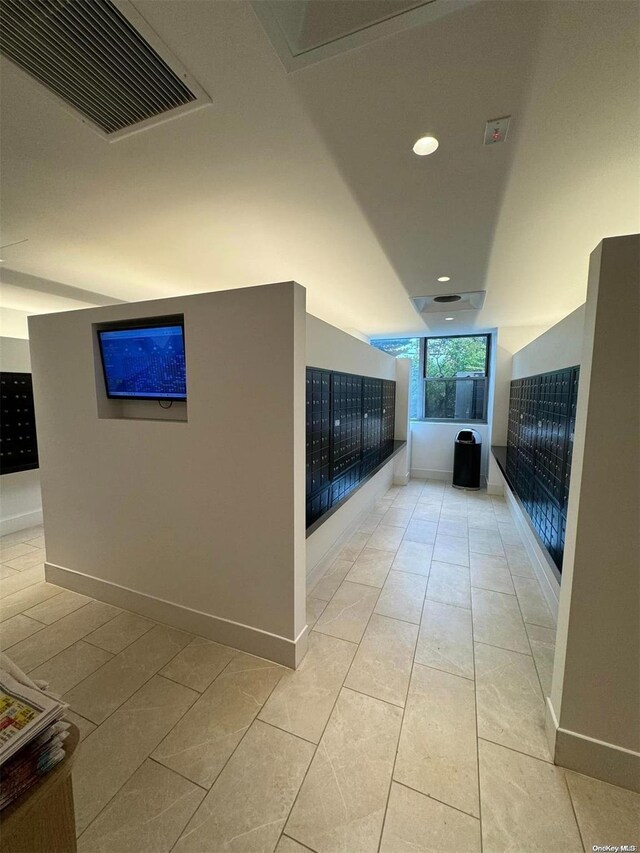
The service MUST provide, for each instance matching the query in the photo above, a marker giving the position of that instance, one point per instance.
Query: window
(449, 375)
(455, 378)
(407, 348)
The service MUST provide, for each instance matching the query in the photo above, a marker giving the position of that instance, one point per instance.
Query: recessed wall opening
(141, 368)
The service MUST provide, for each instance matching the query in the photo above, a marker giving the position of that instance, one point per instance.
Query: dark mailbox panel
(350, 431)
(18, 442)
(542, 411)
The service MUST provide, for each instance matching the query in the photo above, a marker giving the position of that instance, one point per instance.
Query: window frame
(424, 343)
(420, 400)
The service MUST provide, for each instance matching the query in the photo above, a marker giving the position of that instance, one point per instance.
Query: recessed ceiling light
(425, 145)
(448, 318)
(444, 278)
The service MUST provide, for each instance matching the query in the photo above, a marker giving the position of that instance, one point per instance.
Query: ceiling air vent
(102, 59)
(445, 303)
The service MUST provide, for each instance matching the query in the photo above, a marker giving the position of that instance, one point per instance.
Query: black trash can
(466, 459)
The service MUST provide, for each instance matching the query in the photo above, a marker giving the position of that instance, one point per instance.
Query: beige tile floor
(415, 722)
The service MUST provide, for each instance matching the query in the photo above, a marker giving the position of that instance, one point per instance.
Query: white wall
(333, 349)
(13, 323)
(20, 498)
(432, 448)
(560, 346)
(594, 708)
(574, 175)
(199, 523)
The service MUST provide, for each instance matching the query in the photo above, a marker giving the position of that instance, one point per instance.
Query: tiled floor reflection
(415, 722)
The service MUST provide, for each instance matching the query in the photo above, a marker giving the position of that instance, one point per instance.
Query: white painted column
(593, 719)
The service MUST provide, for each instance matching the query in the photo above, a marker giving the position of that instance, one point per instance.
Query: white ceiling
(306, 175)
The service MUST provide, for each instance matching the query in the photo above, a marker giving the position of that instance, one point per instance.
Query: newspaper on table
(32, 731)
(25, 713)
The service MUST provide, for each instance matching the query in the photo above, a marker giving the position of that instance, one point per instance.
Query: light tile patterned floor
(415, 722)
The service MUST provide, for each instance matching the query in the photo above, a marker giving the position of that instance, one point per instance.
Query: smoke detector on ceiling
(496, 129)
(449, 302)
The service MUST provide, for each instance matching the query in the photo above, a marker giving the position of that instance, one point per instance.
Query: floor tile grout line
(62, 590)
(395, 757)
(145, 682)
(84, 639)
(19, 571)
(436, 800)
(31, 619)
(304, 846)
(370, 696)
(31, 553)
(546, 761)
(315, 752)
(235, 749)
(135, 640)
(489, 589)
(538, 625)
(156, 673)
(502, 648)
(38, 526)
(135, 770)
(24, 542)
(445, 671)
(573, 808)
(448, 603)
(409, 572)
(285, 731)
(3, 599)
(404, 710)
(82, 606)
(173, 770)
(181, 684)
(113, 656)
(324, 728)
(27, 586)
(535, 666)
(531, 652)
(475, 700)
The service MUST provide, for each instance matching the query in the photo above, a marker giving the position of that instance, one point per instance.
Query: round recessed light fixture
(425, 145)
(448, 318)
(444, 278)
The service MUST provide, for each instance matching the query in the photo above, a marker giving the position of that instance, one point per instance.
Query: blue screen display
(144, 363)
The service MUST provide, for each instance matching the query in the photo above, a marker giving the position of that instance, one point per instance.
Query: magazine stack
(32, 732)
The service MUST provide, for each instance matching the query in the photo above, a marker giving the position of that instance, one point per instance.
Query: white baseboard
(591, 757)
(431, 474)
(436, 474)
(19, 522)
(234, 634)
(401, 479)
(495, 489)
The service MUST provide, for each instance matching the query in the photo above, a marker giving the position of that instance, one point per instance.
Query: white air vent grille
(446, 303)
(89, 54)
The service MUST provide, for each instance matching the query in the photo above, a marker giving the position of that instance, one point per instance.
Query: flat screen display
(145, 362)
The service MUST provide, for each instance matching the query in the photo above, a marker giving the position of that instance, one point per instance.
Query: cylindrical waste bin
(466, 459)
